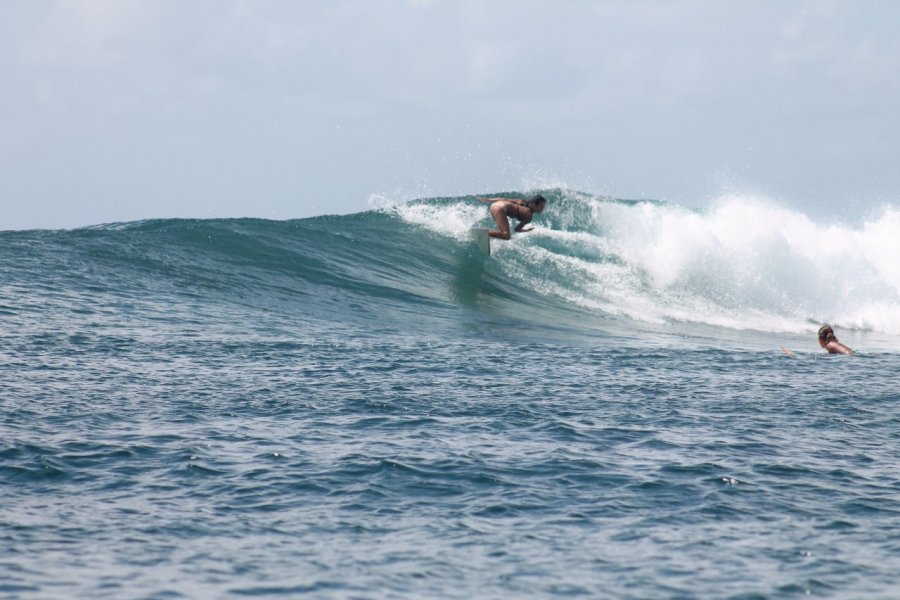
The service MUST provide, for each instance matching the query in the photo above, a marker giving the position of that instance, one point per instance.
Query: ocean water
(627, 402)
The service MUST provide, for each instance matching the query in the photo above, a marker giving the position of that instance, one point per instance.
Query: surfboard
(481, 239)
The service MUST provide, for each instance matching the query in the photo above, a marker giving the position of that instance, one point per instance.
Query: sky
(116, 110)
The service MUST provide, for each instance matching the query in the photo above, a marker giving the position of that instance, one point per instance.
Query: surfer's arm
(520, 228)
(492, 200)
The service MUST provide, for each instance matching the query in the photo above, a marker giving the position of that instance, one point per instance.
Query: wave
(745, 263)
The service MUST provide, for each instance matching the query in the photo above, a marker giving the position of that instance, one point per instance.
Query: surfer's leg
(498, 211)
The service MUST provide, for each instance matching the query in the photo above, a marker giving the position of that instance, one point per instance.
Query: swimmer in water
(504, 208)
(828, 341)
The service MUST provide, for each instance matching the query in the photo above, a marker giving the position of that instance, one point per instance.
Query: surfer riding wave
(504, 208)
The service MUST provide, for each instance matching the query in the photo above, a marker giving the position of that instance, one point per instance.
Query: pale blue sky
(119, 110)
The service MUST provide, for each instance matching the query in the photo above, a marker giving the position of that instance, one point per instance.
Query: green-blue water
(364, 406)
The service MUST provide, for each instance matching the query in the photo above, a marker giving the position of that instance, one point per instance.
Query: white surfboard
(481, 239)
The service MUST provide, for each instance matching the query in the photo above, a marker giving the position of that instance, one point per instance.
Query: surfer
(828, 341)
(504, 208)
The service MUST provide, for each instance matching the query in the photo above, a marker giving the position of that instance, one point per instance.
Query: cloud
(355, 96)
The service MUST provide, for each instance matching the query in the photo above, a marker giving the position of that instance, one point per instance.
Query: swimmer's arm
(838, 348)
(842, 349)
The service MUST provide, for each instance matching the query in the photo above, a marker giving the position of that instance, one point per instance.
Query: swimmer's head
(537, 203)
(826, 334)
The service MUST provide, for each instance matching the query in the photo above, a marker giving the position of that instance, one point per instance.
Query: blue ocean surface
(627, 402)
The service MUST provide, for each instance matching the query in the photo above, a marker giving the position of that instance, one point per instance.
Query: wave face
(591, 262)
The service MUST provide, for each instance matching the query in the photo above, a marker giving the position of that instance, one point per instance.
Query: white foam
(748, 262)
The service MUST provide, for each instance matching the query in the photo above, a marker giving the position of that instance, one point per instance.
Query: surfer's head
(826, 334)
(537, 203)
